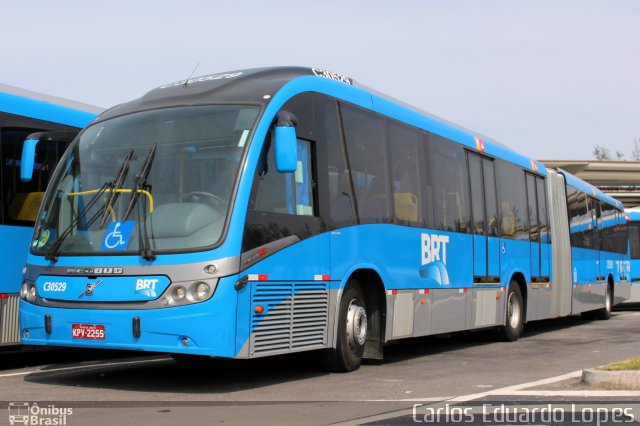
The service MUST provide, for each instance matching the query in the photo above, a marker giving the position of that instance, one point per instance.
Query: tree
(601, 153)
(635, 153)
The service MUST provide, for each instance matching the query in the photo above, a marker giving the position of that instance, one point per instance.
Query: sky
(551, 79)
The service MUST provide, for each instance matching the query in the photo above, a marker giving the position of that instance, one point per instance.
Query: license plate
(88, 331)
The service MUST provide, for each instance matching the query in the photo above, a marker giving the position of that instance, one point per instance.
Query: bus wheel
(514, 321)
(352, 331)
(605, 313)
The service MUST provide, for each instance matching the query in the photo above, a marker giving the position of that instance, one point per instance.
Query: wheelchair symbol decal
(117, 235)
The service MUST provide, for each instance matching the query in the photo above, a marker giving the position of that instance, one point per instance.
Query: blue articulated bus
(633, 222)
(22, 113)
(599, 248)
(268, 211)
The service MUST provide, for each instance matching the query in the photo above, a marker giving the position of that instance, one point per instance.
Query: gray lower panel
(413, 313)
(403, 314)
(9, 320)
(449, 311)
(588, 297)
(487, 307)
(634, 293)
(539, 302)
(422, 313)
(622, 293)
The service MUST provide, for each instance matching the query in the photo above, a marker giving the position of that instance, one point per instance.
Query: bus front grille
(9, 321)
(295, 317)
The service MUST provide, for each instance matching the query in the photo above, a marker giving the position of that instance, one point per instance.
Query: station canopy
(619, 179)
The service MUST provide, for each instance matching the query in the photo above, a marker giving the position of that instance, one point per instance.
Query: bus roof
(587, 188)
(23, 102)
(259, 86)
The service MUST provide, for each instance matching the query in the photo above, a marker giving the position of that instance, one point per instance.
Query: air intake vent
(295, 317)
(9, 323)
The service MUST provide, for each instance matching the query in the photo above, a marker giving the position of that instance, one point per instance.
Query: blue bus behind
(22, 113)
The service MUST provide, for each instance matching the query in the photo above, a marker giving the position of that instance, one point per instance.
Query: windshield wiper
(115, 186)
(141, 185)
(52, 253)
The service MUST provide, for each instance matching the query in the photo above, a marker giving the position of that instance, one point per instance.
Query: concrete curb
(625, 379)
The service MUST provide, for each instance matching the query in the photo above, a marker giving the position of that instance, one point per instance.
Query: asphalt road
(105, 388)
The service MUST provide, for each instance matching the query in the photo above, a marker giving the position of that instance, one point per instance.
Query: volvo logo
(88, 290)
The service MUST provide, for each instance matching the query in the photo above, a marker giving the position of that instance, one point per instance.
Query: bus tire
(514, 317)
(352, 331)
(605, 313)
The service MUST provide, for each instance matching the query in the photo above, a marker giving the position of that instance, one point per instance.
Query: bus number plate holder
(88, 331)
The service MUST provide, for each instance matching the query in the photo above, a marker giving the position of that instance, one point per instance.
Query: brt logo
(146, 284)
(146, 287)
(434, 248)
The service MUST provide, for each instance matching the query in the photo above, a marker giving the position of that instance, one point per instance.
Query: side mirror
(286, 143)
(28, 159)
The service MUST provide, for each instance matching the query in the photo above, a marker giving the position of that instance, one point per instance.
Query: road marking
(80, 367)
(573, 393)
(431, 399)
(517, 390)
(508, 389)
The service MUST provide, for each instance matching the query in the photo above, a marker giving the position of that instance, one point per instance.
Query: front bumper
(206, 328)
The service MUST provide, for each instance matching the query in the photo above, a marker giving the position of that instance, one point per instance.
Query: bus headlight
(179, 294)
(24, 289)
(187, 292)
(32, 293)
(200, 290)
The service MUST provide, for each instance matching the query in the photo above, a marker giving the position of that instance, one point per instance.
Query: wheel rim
(513, 311)
(607, 300)
(356, 325)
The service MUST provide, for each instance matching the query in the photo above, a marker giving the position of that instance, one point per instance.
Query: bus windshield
(192, 154)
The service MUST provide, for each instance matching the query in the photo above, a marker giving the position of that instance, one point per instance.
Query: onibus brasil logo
(32, 414)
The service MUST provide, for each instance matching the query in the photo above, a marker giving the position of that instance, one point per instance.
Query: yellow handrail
(127, 190)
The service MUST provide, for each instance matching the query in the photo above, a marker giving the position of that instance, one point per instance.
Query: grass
(627, 364)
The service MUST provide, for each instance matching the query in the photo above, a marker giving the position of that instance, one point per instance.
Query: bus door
(486, 245)
(601, 260)
(538, 229)
(544, 228)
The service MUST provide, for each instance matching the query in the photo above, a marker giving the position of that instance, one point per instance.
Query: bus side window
(450, 186)
(621, 231)
(333, 176)
(534, 232)
(366, 146)
(20, 201)
(283, 204)
(406, 173)
(289, 193)
(512, 201)
(508, 219)
(634, 242)
(580, 218)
